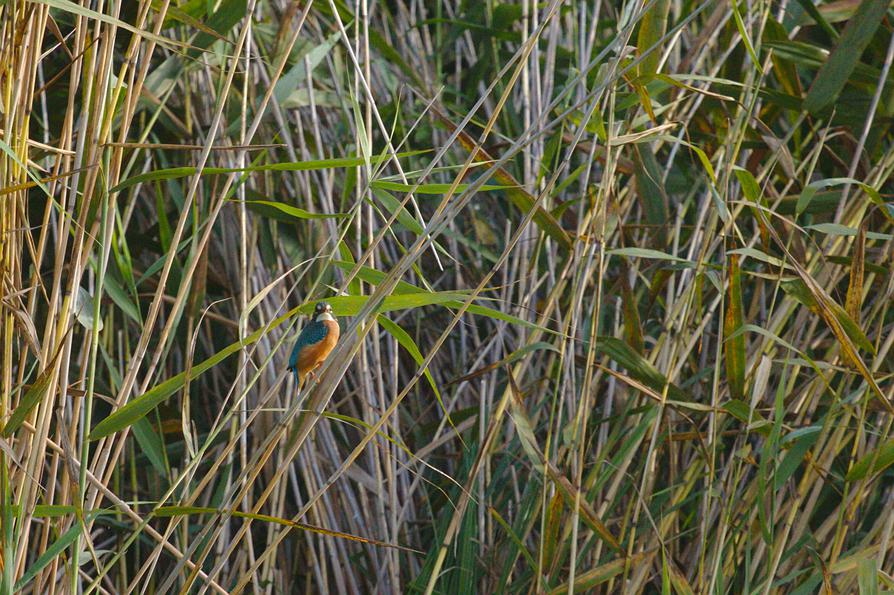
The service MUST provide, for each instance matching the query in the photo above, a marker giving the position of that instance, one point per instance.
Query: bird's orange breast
(314, 355)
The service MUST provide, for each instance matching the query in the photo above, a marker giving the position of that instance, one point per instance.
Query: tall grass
(614, 281)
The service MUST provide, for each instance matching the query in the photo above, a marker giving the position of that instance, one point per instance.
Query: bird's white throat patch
(326, 316)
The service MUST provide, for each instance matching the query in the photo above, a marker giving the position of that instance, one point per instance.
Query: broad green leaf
(350, 305)
(767, 463)
(286, 212)
(429, 188)
(665, 574)
(746, 39)
(81, 11)
(531, 347)
(466, 553)
(823, 202)
(51, 553)
(811, 9)
(650, 189)
(874, 461)
(812, 56)
(48, 511)
(407, 342)
(867, 575)
(719, 204)
(702, 157)
(678, 580)
(633, 332)
(393, 205)
(836, 12)
(647, 135)
(638, 367)
(188, 16)
(374, 277)
(647, 253)
(347, 264)
(784, 69)
(552, 526)
(750, 188)
(750, 328)
(849, 334)
(854, 299)
(519, 544)
(290, 81)
(745, 414)
(29, 401)
(836, 229)
(174, 173)
(82, 305)
(828, 308)
(793, 458)
(150, 445)
(652, 27)
(227, 15)
(734, 346)
(759, 255)
(587, 513)
(834, 74)
(523, 426)
(588, 579)
(122, 299)
(801, 433)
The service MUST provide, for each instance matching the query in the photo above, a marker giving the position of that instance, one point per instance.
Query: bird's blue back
(311, 334)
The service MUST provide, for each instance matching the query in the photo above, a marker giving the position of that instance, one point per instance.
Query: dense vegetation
(613, 277)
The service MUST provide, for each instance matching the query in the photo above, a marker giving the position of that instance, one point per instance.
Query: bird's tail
(299, 380)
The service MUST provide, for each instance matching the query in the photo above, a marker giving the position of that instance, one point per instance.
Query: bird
(314, 343)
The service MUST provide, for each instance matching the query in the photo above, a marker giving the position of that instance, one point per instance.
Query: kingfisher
(314, 342)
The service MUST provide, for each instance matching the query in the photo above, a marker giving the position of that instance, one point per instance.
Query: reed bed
(613, 277)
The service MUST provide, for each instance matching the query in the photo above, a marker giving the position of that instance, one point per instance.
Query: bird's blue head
(323, 311)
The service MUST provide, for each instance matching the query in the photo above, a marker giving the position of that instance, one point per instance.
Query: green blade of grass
(174, 173)
(734, 346)
(834, 74)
